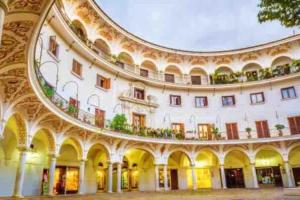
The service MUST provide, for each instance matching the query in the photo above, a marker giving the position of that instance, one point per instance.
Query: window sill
(101, 88)
(53, 56)
(260, 103)
(201, 106)
(76, 75)
(288, 99)
(229, 106)
(175, 105)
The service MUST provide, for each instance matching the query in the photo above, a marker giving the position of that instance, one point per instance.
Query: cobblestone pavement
(229, 194)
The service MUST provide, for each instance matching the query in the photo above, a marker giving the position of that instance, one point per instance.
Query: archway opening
(79, 29)
(268, 165)
(198, 76)
(101, 47)
(173, 74)
(281, 66)
(138, 171)
(251, 71)
(207, 170)
(125, 60)
(179, 171)
(225, 75)
(237, 170)
(66, 180)
(148, 69)
(96, 175)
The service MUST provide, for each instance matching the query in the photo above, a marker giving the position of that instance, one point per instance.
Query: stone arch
(76, 143)
(105, 148)
(149, 65)
(182, 150)
(78, 27)
(173, 69)
(51, 138)
(19, 128)
(125, 57)
(251, 67)
(267, 147)
(224, 69)
(237, 149)
(198, 70)
(237, 152)
(293, 146)
(140, 147)
(102, 46)
(214, 153)
(281, 60)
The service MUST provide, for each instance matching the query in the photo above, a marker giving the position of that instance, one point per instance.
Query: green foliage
(119, 123)
(48, 90)
(279, 127)
(286, 11)
(248, 129)
(72, 110)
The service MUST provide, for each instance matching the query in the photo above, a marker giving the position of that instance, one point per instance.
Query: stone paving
(229, 194)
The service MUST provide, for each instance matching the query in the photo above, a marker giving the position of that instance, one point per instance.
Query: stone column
(20, 174)
(288, 174)
(3, 11)
(223, 176)
(254, 175)
(110, 177)
(194, 177)
(119, 177)
(52, 174)
(81, 176)
(166, 178)
(157, 178)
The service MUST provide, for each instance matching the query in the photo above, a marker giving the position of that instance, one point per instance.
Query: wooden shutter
(233, 98)
(232, 131)
(107, 83)
(262, 128)
(100, 118)
(259, 129)
(206, 101)
(294, 123)
(266, 128)
(235, 131)
(229, 131)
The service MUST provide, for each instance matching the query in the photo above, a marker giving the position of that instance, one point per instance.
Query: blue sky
(201, 25)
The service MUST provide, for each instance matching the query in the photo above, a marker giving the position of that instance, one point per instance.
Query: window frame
(53, 42)
(233, 100)
(175, 105)
(288, 89)
(205, 101)
(75, 64)
(257, 102)
(136, 90)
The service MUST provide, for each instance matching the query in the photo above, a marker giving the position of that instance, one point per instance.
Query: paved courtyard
(230, 194)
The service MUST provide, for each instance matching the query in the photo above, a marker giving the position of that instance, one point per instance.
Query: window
(144, 73)
(204, 131)
(196, 80)
(262, 129)
(201, 102)
(53, 46)
(103, 82)
(288, 93)
(228, 100)
(257, 98)
(138, 120)
(232, 131)
(294, 123)
(170, 78)
(175, 100)
(139, 94)
(178, 128)
(77, 68)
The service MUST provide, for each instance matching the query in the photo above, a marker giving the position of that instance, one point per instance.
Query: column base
(18, 196)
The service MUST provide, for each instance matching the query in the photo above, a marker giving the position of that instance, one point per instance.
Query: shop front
(235, 178)
(269, 176)
(66, 180)
(101, 180)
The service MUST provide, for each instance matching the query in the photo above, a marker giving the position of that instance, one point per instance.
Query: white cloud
(201, 25)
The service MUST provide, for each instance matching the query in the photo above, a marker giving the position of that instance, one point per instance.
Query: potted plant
(248, 130)
(279, 128)
(216, 133)
(119, 122)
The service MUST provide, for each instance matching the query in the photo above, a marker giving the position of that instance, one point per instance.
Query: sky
(198, 25)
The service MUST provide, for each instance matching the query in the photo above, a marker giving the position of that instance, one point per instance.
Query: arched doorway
(268, 165)
(96, 171)
(173, 74)
(294, 161)
(207, 170)
(251, 71)
(198, 76)
(179, 171)
(102, 48)
(137, 171)
(66, 180)
(237, 170)
(148, 69)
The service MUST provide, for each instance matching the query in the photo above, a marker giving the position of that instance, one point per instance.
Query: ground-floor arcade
(46, 164)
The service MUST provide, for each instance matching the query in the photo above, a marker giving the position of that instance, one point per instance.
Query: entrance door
(66, 180)
(99, 118)
(138, 120)
(296, 173)
(269, 177)
(174, 179)
(277, 177)
(235, 178)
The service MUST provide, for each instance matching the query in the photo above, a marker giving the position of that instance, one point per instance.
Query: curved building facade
(87, 107)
